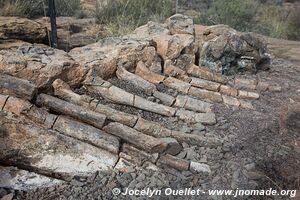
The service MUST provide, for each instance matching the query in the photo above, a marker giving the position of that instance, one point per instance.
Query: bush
(239, 14)
(278, 22)
(35, 8)
(274, 20)
(123, 16)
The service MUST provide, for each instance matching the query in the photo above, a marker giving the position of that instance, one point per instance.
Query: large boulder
(41, 65)
(181, 24)
(173, 38)
(103, 58)
(22, 29)
(227, 51)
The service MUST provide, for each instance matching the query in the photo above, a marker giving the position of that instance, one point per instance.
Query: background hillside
(275, 18)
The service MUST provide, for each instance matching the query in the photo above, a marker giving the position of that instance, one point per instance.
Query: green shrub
(35, 8)
(125, 15)
(239, 14)
(12, 8)
(278, 22)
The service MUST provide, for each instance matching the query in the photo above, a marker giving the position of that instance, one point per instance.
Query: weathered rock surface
(229, 52)
(180, 24)
(17, 179)
(41, 65)
(86, 133)
(138, 139)
(137, 81)
(22, 29)
(66, 108)
(103, 58)
(64, 91)
(48, 152)
(10, 85)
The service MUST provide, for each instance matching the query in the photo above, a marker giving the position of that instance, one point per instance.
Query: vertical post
(52, 14)
(176, 6)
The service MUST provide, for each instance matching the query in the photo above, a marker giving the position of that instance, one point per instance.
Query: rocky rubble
(67, 116)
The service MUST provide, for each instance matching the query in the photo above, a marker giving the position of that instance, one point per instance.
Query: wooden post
(52, 14)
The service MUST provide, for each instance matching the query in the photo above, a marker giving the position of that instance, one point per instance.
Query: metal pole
(176, 6)
(52, 14)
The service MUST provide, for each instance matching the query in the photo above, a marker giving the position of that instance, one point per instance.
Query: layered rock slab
(48, 152)
(41, 65)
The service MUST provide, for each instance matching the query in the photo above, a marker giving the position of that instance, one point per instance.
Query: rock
(103, 58)
(169, 47)
(41, 65)
(109, 91)
(144, 104)
(142, 71)
(24, 108)
(205, 73)
(10, 85)
(152, 128)
(174, 162)
(262, 86)
(171, 70)
(8, 197)
(173, 147)
(231, 52)
(192, 117)
(138, 156)
(86, 133)
(231, 101)
(243, 83)
(166, 99)
(205, 84)
(125, 166)
(192, 104)
(200, 167)
(205, 95)
(22, 29)
(150, 30)
(64, 91)
(198, 127)
(120, 96)
(135, 80)
(16, 105)
(50, 153)
(227, 90)
(177, 84)
(3, 99)
(63, 107)
(115, 115)
(246, 104)
(247, 95)
(132, 136)
(180, 24)
(211, 32)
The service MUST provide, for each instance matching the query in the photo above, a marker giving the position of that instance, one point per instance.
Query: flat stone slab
(17, 179)
(49, 152)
